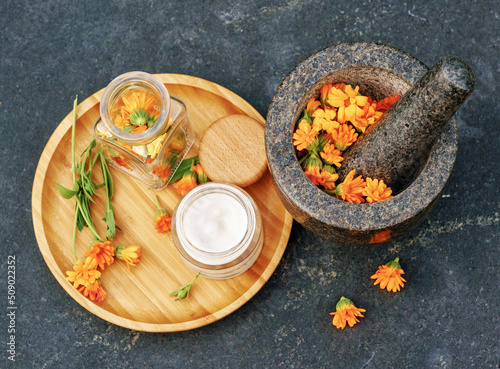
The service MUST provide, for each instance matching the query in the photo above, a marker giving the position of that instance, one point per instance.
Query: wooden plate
(139, 298)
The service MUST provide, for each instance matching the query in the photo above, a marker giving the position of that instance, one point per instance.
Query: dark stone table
(448, 313)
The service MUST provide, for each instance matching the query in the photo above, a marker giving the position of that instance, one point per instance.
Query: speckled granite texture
(448, 314)
(380, 71)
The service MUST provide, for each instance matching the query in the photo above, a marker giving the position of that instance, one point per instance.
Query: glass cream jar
(217, 229)
(143, 130)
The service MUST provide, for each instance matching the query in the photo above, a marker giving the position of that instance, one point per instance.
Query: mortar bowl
(380, 71)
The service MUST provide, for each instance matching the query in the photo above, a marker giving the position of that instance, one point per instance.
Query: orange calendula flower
(103, 252)
(93, 292)
(323, 94)
(202, 177)
(304, 135)
(327, 179)
(163, 220)
(186, 183)
(331, 155)
(389, 276)
(84, 274)
(312, 167)
(344, 136)
(162, 171)
(136, 101)
(349, 103)
(387, 102)
(351, 189)
(376, 190)
(129, 254)
(370, 116)
(346, 313)
(312, 105)
(120, 160)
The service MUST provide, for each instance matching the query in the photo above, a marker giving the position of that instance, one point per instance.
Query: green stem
(90, 224)
(75, 103)
(157, 202)
(74, 237)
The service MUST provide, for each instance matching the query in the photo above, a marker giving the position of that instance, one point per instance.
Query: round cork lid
(232, 150)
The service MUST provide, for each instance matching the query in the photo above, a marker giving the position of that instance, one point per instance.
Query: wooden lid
(232, 150)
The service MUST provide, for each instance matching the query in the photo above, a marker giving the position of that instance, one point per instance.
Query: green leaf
(184, 167)
(66, 193)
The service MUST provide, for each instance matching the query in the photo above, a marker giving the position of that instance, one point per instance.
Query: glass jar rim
(238, 249)
(114, 88)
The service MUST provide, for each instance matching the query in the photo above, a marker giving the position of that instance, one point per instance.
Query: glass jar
(217, 229)
(143, 130)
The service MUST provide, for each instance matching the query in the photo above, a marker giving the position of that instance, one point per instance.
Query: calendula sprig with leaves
(84, 188)
(183, 291)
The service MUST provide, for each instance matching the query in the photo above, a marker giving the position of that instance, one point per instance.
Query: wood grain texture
(233, 150)
(139, 299)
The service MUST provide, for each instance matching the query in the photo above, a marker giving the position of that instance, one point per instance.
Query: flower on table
(188, 181)
(129, 254)
(346, 313)
(389, 276)
(201, 175)
(103, 252)
(163, 220)
(84, 274)
(94, 292)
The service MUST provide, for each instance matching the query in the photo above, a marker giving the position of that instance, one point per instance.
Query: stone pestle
(395, 148)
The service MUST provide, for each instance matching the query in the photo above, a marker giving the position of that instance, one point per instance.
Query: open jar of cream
(217, 229)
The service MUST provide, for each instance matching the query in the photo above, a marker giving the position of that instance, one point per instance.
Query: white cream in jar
(217, 229)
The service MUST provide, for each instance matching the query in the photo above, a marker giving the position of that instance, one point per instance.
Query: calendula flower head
(202, 177)
(304, 135)
(162, 171)
(178, 142)
(163, 220)
(312, 168)
(351, 189)
(103, 252)
(376, 190)
(343, 137)
(84, 274)
(311, 106)
(387, 102)
(389, 276)
(327, 177)
(94, 292)
(138, 102)
(346, 313)
(370, 116)
(120, 160)
(348, 102)
(188, 181)
(129, 254)
(331, 155)
(324, 118)
(323, 95)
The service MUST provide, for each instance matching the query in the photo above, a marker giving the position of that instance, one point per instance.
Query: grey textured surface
(447, 315)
